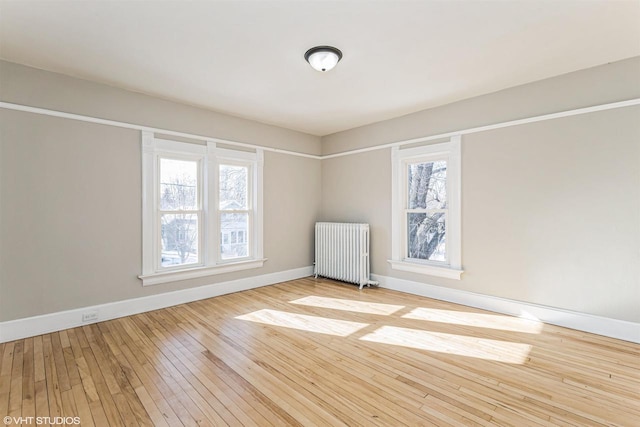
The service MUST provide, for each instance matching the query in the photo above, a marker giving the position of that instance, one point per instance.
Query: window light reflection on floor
(478, 320)
(349, 305)
(482, 348)
(304, 322)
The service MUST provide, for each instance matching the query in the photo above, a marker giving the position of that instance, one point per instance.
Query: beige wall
(38, 88)
(357, 188)
(550, 210)
(613, 82)
(70, 192)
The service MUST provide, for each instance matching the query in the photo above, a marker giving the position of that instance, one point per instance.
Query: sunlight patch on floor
(481, 348)
(349, 305)
(303, 322)
(479, 320)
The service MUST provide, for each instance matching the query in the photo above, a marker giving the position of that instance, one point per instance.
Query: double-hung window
(202, 210)
(426, 224)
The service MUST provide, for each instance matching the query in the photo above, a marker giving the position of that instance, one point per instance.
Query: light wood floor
(316, 352)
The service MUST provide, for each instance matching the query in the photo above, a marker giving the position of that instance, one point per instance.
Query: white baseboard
(46, 323)
(614, 328)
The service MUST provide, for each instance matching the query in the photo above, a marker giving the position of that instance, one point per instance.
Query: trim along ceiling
(245, 58)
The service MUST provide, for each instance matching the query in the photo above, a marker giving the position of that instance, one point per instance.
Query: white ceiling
(246, 57)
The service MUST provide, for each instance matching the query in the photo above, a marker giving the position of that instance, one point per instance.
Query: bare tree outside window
(233, 186)
(179, 212)
(427, 210)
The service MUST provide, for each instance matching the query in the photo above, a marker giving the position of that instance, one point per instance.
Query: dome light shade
(323, 58)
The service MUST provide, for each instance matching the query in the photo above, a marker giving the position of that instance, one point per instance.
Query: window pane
(233, 187)
(427, 185)
(231, 225)
(179, 235)
(178, 185)
(427, 236)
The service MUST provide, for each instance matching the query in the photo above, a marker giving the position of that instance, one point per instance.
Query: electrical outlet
(90, 316)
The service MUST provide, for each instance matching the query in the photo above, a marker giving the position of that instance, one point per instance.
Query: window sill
(431, 270)
(192, 273)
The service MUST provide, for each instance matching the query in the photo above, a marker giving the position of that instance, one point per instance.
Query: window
(180, 211)
(426, 229)
(234, 209)
(202, 210)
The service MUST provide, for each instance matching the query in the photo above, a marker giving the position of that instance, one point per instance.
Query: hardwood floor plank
(152, 409)
(42, 400)
(7, 358)
(58, 359)
(217, 399)
(225, 368)
(305, 410)
(53, 390)
(353, 370)
(129, 403)
(72, 368)
(150, 383)
(193, 401)
(15, 393)
(98, 414)
(82, 405)
(168, 391)
(126, 413)
(68, 404)
(87, 380)
(102, 357)
(74, 343)
(28, 382)
(38, 360)
(224, 381)
(280, 362)
(318, 352)
(102, 391)
(5, 377)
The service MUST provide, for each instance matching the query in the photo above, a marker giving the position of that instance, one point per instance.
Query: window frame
(400, 161)
(209, 157)
(228, 158)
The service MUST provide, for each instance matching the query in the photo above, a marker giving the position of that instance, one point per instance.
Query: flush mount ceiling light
(323, 58)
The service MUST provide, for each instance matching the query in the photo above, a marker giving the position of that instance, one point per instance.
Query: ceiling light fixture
(323, 58)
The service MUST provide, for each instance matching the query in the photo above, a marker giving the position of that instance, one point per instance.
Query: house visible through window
(202, 210)
(235, 214)
(426, 231)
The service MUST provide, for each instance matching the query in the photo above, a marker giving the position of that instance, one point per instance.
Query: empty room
(320, 213)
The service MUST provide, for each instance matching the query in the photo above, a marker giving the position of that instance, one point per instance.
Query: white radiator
(342, 252)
